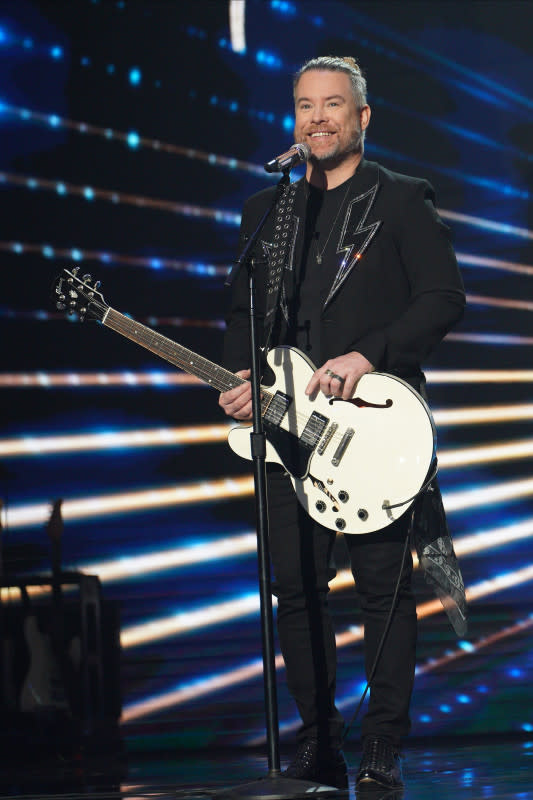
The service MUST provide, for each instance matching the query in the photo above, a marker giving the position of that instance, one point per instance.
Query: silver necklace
(320, 253)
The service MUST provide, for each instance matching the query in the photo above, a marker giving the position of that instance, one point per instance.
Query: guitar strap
(279, 254)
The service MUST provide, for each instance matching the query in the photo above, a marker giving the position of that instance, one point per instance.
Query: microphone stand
(273, 786)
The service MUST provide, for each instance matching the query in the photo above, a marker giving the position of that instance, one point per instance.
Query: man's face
(327, 118)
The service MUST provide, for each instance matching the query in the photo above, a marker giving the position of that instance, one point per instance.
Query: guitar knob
(340, 523)
(320, 506)
(362, 514)
(343, 496)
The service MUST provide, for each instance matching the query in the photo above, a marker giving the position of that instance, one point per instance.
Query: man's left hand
(338, 376)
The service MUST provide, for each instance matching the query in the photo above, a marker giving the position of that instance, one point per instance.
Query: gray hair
(345, 64)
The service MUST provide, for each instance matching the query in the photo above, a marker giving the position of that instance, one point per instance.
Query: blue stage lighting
(268, 59)
(135, 76)
(288, 123)
(133, 139)
(284, 7)
(56, 52)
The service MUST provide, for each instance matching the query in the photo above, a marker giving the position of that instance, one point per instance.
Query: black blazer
(395, 303)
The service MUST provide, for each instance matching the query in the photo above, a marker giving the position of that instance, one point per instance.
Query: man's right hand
(237, 402)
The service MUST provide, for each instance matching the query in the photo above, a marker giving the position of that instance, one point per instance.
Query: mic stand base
(276, 787)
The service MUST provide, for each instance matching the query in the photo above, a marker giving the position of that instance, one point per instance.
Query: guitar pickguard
(293, 454)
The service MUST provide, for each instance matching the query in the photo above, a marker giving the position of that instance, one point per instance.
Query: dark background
(100, 103)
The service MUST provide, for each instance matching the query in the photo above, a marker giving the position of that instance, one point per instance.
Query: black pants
(301, 553)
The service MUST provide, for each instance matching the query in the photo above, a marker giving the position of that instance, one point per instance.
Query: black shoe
(380, 765)
(312, 764)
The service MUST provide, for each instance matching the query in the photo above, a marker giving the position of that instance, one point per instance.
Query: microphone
(286, 161)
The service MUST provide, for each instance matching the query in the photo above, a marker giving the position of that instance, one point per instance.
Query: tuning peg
(60, 306)
(86, 278)
(97, 285)
(75, 270)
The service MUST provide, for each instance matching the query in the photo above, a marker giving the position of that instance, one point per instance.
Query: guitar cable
(387, 506)
(349, 725)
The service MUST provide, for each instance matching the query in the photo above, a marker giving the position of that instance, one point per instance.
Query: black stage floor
(440, 770)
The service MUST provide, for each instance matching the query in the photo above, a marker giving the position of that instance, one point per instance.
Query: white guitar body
(369, 453)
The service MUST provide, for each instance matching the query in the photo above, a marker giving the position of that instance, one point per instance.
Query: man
(369, 282)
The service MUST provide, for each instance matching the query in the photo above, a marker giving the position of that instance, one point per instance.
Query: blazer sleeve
(436, 292)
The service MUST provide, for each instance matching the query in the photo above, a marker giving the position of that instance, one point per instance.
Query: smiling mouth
(320, 134)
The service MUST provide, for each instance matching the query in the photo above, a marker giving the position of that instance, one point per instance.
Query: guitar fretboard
(187, 360)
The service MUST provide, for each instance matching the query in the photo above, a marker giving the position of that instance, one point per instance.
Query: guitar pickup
(315, 426)
(277, 408)
(341, 449)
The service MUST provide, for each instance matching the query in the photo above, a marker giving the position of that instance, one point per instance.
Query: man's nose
(319, 113)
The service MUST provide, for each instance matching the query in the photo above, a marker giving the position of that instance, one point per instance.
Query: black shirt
(325, 213)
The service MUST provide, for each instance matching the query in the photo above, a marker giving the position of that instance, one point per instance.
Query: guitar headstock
(79, 295)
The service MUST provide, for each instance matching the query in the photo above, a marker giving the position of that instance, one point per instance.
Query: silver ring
(330, 372)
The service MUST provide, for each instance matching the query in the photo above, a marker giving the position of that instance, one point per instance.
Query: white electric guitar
(356, 465)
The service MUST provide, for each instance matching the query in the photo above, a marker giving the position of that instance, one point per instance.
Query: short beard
(334, 159)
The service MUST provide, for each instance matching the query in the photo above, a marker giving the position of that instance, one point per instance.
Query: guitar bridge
(327, 438)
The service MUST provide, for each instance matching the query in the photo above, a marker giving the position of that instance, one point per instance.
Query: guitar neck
(209, 372)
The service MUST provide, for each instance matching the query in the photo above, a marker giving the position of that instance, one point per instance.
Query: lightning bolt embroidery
(355, 236)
